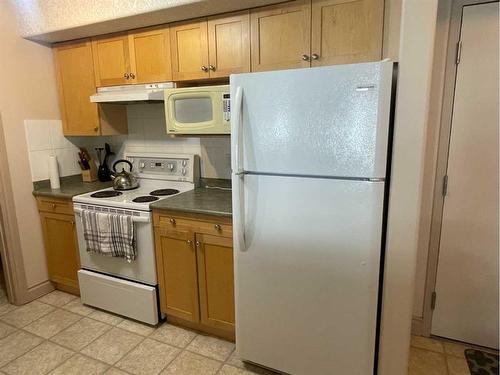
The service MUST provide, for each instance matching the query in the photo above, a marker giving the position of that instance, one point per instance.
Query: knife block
(90, 175)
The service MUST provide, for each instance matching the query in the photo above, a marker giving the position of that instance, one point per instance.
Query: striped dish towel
(109, 234)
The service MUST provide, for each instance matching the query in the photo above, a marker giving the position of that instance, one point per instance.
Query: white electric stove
(113, 284)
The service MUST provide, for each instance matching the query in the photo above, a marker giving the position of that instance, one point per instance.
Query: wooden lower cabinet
(61, 245)
(216, 281)
(194, 259)
(176, 259)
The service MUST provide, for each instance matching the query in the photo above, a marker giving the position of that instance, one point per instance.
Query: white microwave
(198, 110)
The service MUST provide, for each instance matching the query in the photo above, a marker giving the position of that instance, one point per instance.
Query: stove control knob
(184, 162)
(142, 165)
(171, 166)
(184, 171)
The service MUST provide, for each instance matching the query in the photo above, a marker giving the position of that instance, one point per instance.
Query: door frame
(442, 155)
(10, 247)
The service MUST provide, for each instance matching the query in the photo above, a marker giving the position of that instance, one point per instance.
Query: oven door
(197, 111)
(142, 269)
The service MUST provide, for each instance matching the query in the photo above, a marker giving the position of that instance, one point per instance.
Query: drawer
(115, 295)
(60, 206)
(215, 227)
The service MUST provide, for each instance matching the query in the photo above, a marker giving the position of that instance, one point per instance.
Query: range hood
(151, 92)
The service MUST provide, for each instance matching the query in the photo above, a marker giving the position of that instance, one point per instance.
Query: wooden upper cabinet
(346, 31)
(111, 60)
(216, 281)
(75, 81)
(281, 36)
(229, 44)
(189, 50)
(150, 56)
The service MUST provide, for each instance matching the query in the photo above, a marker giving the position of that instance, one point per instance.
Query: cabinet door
(76, 82)
(281, 36)
(61, 248)
(346, 31)
(150, 55)
(189, 50)
(111, 60)
(229, 44)
(177, 277)
(216, 281)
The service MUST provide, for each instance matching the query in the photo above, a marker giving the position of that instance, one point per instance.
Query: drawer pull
(172, 221)
(217, 227)
(54, 206)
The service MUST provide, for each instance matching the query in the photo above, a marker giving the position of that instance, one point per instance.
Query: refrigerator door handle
(239, 211)
(238, 172)
(236, 123)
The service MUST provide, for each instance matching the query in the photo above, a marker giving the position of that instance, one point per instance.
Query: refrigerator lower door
(307, 273)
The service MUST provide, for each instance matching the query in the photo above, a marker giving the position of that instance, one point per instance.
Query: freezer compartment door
(327, 121)
(307, 274)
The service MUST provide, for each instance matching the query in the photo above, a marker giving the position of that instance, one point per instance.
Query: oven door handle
(135, 219)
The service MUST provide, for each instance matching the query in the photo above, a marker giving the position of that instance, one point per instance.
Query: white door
(467, 278)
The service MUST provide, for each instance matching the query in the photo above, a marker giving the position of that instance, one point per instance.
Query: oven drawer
(59, 206)
(133, 300)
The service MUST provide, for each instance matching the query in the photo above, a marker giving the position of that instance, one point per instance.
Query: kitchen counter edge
(70, 186)
(205, 201)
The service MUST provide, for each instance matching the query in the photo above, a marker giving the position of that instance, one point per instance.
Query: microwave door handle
(238, 173)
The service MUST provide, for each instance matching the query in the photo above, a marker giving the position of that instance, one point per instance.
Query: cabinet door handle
(204, 68)
(217, 227)
(189, 242)
(132, 75)
(198, 244)
(126, 76)
(315, 56)
(305, 57)
(211, 67)
(96, 129)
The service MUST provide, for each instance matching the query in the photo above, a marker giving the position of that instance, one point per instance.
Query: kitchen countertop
(208, 201)
(70, 186)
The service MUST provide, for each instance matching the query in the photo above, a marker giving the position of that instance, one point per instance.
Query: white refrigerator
(310, 151)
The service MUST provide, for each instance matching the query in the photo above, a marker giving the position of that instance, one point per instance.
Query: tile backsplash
(147, 133)
(44, 138)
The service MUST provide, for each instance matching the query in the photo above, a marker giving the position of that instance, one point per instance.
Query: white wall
(27, 91)
(414, 82)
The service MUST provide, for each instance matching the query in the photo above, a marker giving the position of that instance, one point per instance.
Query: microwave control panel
(226, 107)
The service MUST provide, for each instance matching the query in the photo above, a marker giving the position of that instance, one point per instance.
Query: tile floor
(56, 334)
(429, 356)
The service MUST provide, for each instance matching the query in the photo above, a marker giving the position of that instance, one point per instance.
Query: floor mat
(481, 363)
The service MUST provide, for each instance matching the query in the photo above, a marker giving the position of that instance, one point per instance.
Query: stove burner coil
(163, 192)
(106, 194)
(145, 199)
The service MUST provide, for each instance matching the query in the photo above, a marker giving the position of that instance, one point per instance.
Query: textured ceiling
(57, 20)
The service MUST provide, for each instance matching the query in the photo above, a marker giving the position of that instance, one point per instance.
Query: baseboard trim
(37, 291)
(417, 326)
